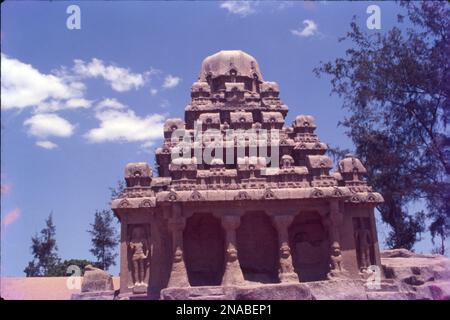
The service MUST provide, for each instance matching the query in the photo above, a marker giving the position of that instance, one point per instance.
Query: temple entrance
(204, 251)
(309, 247)
(258, 248)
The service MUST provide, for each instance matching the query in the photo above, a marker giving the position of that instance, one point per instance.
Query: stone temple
(238, 216)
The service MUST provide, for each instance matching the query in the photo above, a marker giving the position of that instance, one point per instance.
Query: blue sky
(83, 103)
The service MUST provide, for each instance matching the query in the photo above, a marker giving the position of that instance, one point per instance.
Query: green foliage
(44, 250)
(117, 191)
(396, 86)
(61, 269)
(104, 239)
(440, 228)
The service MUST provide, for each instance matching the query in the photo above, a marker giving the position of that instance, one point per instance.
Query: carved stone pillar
(336, 218)
(337, 269)
(178, 275)
(286, 271)
(233, 274)
(125, 280)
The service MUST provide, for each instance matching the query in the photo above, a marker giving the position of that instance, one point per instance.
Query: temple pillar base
(288, 277)
(141, 288)
(338, 275)
(233, 274)
(178, 276)
(286, 273)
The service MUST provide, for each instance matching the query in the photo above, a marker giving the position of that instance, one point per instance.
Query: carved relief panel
(139, 253)
(364, 242)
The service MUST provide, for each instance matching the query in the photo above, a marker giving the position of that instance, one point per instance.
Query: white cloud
(56, 105)
(78, 103)
(126, 126)
(50, 106)
(46, 144)
(309, 30)
(241, 8)
(24, 86)
(171, 81)
(44, 125)
(120, 79)
(110, 104)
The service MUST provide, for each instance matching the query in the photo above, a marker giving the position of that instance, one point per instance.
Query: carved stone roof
(223, 61)
(269, 86)
(351, 164)
(304, 121)
(209, 118)
(272, 117)
(173, 124)
(318, 162)
(231, 86)
(137, 169)
(241, 116)
(201, 86)
(239, 101)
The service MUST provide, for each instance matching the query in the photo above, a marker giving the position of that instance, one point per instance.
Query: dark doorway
(204, 251)
(309, 247)
(258, 248)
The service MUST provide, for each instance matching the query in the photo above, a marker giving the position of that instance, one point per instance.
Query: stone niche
(204, 249)
(139, 255)
(365, 249)
(257, 248)
(309, 247)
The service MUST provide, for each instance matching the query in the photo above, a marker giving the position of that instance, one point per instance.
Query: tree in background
(117, 191)
(396, 87)
(61, 269)
(44, 250)
(104, 239)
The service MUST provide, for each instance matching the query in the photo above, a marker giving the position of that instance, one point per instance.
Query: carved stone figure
(178, 255)
(336, 257)
(364, 240)
(286, 259)
(336, 266)
(232, 273)
(178, 276)
(139, 254)
(231, 255)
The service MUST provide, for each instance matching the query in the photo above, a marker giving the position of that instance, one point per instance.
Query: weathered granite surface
(95, 280)
(421, 276)
(96, 285)
(409, 276)
(99, 295)
(319, 290)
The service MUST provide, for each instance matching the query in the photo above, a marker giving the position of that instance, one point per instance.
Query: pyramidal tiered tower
(240, 198)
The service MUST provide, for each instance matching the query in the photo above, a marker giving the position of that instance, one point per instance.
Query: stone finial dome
(222, 62)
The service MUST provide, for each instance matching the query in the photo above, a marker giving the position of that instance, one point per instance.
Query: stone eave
(165, 197)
